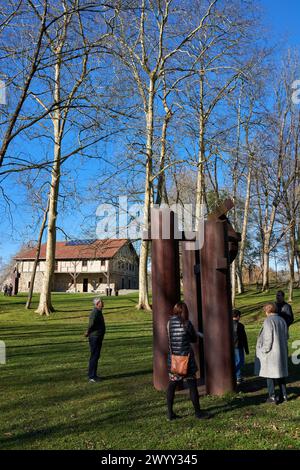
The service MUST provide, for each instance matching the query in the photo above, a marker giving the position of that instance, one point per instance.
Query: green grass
(46, 402)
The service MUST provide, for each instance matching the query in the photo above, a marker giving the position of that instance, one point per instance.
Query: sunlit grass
(47, 403)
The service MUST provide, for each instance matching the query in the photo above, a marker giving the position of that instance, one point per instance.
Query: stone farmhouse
(82, 266)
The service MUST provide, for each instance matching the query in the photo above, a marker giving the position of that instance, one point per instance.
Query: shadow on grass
(247, 310)
(126, 375)
(77, 427)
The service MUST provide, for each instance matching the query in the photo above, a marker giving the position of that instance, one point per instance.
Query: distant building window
(100, 280)
(127, 266)
(122, 265)
(119, 264)
(28, 284)
(56, 265)
(129, 283)
(84, 263)
(103, 262)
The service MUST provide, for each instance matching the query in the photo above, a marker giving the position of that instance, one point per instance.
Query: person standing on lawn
(181, 334)
(95, 333)
(271, 359)
(240, 342)
(284, 309)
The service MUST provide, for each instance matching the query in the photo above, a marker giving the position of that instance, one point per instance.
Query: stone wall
(122, 275)
(64, 282)
(25, 279)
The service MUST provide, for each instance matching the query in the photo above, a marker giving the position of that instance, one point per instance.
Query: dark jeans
(192, 384)
(95, 347)
(239, 356)
(271, 387)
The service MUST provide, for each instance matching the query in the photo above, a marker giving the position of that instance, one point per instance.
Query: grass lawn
(47, 403)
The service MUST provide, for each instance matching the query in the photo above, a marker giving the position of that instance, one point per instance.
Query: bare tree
(37, 257)
(272, 181)
(34, 57)
(143, 45)
(71, 70)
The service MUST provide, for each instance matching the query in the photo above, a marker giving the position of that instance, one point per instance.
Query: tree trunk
(143, 302)
(45, 306)
(292, 263)
(239, 280)
(161, 184)
(265, 279)
(235, 264)
(200, 188)
(38, 249)
(233, 282)
(242, 246)
(298, 270)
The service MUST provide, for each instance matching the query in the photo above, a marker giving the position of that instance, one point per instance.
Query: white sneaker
(92, 381)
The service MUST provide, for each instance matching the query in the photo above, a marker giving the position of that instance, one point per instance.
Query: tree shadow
(128, 374)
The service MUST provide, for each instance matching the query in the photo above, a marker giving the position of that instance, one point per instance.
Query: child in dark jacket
(240, 342)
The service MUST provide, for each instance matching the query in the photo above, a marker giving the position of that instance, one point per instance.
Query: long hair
(181, 311)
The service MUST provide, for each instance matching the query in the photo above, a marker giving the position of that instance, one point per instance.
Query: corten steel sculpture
(219, 250)
(165, 290)
(192, 297)
(207, 292)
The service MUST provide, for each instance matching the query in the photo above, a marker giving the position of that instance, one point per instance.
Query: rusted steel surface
(192, 297)
(165, 294)
(233, 242)
(207, 289)
(216, 309)
(221, 209)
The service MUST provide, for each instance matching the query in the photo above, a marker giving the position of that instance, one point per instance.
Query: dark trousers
(271, 387)
(194, 395)
(95, 347)
(239, 357)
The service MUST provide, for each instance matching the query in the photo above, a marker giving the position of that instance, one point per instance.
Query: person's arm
(92, 321)
(290, 314)
(201, 335)
(267, 337)
(191, 333)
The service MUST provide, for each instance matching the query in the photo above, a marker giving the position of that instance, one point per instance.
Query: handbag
(179, 364)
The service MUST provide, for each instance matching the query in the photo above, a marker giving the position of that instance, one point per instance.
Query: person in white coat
(271, 359)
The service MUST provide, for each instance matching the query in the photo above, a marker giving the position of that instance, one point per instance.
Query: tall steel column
(192, 297)
(216, 308)
(165, 290)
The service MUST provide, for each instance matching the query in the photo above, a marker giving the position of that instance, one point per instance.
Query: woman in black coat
(181, 334)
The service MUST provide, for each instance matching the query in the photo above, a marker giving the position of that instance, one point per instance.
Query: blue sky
(282, 23)
(283, 16)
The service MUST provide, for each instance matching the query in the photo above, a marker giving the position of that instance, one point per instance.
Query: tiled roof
(98, 249)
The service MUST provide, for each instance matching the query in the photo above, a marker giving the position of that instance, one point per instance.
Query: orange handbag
(179, 364)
